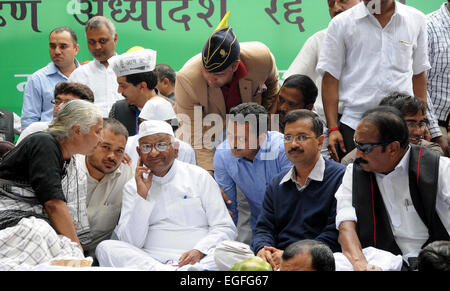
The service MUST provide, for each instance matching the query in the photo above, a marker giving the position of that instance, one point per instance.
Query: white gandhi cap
(157, 108)
(151, 127)
(133, 62)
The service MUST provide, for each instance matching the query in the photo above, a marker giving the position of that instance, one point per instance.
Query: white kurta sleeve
(344, 208)
(133, 223)
(221, 226)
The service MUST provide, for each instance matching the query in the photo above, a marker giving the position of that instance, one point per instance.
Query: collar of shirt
(53, 69)
(240, 73)
(362, 11)
(316, 174)
(445, 15)
(402, 166)
(98, 64)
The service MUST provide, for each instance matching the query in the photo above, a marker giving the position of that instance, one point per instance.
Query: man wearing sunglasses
(414, 113)
(395, 197)
(172, 213)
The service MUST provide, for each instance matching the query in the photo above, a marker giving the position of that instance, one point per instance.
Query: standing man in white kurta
(98, 75)
(368, 53)
(173, 215)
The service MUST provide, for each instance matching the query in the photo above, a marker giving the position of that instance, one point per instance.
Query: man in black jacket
(396, 196)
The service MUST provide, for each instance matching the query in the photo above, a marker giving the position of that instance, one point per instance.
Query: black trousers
(347, 133)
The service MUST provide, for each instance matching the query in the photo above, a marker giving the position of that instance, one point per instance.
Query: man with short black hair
(101, 40)
(395, 197)
(248, 159)
(106, 175)
(299, 202)
(63, 47)
(360, 79)
(63, 93)
(137, 83)
(166, 81)
(413, 111)
(307, 255)
(435, 257)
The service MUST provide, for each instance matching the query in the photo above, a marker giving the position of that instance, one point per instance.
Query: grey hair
(97, 21)
(74, 112)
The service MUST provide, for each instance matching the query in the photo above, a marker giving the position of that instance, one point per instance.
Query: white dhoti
(119, 254)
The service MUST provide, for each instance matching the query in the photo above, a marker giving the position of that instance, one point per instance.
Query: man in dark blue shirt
(299, 203)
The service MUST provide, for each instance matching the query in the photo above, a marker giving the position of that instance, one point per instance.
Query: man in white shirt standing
(106, 175)
(396, 195)
(101, 39)
(172, 213)
(305, 62)
(369, 52)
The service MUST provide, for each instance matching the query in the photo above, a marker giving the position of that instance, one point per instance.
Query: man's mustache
(337, 13)
(296, 150)
(360, 161)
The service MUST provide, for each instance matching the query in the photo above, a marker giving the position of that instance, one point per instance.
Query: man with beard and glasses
(106, 176)
(299, 203)
(413, 112)
(395, 197)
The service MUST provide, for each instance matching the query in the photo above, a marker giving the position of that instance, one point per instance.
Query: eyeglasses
(421, 125)
(160, 147)
(56, 102)
(300, 138)
(368, 147)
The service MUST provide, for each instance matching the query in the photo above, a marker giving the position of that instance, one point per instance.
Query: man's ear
(176, 148)
(235, 66)
(393, 148)
(142, 85)
(320, 139)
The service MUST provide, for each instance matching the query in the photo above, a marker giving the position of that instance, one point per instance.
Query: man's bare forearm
(419, 82)
(351, 246)
(330, 99)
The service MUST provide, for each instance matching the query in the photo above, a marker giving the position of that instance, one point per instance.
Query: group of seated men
(220, 164)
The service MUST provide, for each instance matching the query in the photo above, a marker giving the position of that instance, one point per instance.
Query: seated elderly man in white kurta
(173, 214)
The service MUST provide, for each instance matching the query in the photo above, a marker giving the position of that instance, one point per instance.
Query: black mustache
(111, 161)
(296, 150)
(359, 161)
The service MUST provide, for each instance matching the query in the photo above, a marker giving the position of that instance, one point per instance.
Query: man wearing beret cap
(224, 75)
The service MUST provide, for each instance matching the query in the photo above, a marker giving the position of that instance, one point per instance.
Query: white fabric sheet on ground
(383, 259)
(32, 242)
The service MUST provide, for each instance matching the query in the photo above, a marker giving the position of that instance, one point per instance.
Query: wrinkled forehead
(155, 138)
